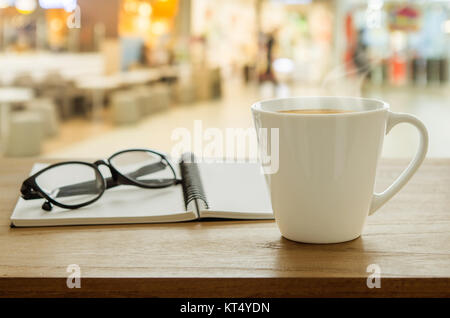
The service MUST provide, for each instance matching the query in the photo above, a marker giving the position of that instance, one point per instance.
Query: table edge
(283, 287)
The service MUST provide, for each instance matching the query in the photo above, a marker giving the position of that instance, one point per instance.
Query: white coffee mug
(324, 187)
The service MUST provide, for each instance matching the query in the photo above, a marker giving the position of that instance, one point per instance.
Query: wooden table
(409, 238)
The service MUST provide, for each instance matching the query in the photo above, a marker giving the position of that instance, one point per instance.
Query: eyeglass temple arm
(90, 187)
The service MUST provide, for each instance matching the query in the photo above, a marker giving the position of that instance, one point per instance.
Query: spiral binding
(192, 182)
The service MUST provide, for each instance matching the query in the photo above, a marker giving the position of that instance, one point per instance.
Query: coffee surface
(315, 111)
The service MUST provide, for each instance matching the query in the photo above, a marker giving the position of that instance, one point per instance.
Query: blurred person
(356, 54)
(269, 45)
(360, 55)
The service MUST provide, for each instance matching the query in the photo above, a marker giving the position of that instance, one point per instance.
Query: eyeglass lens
(58, 182)
(143, 167)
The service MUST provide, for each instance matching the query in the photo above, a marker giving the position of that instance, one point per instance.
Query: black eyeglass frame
(30, 190)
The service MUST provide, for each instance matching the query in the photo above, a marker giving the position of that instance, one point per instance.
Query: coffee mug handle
(396, 118)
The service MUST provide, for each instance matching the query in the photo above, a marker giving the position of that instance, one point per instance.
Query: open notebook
(208, 190)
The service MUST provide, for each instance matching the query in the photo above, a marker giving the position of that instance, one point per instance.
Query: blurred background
(85, 78)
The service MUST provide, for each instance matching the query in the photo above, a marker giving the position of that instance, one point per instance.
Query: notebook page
(235, 190)
(123, 204)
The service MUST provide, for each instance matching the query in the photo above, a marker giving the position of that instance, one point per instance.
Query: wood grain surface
(409, 239)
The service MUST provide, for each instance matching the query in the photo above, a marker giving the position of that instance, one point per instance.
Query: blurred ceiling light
(26, 6)
(145, 9)
(292, 1)
(142, 23)
(375, 4)
(68, 5)
(283, 65)
(159, 27)
(130, 6)
(56, 25)
(5, 3)
(446, 26)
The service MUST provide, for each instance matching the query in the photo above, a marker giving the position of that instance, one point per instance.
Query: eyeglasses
(74, 184)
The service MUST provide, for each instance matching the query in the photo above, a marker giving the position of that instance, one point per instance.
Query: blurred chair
(186, 92)
(153, 98)
(125, 108)
(74, 101)
(208, 83)
(46, 108)
(53, 78)
(62, 92)
(25, 134)
(24, 80)
(216, 83)
(187, 84)
(144, 98)
(161, 96)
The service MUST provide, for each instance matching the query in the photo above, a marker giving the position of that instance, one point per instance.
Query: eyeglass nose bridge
(101, 162)
(112, 181)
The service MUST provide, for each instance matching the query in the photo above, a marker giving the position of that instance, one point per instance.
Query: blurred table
(138, 77)
(97, 86)
(408, 238)
(8, 96)
(39, 64)
(169, 71)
